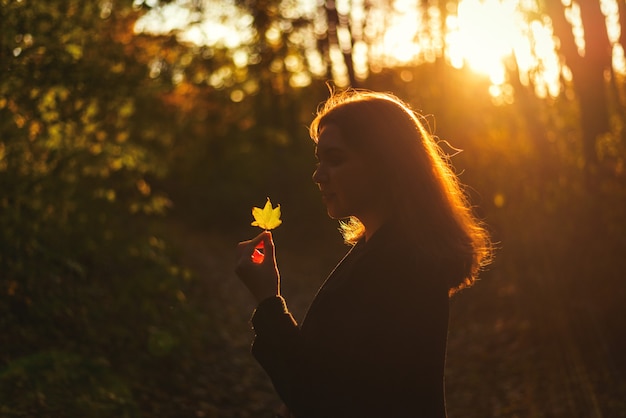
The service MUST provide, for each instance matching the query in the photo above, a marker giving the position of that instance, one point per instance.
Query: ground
(514, 348)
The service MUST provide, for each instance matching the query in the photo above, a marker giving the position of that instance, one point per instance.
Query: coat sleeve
(382, 351)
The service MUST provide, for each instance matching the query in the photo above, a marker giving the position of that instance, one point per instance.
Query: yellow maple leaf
(268, 217)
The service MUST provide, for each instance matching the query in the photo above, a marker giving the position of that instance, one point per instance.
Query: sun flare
(483, 35)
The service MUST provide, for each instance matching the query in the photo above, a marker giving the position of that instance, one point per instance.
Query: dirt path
(237, 386)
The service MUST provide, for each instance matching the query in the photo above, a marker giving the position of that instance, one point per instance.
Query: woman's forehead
(330, 137)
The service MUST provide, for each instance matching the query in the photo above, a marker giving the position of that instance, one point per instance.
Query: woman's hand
(260, 275)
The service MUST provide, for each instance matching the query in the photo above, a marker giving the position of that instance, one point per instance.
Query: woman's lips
(327, 196)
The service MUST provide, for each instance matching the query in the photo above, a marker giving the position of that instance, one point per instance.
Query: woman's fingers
(255, 252)
(258, 255)
(258, 269)
(245, 249)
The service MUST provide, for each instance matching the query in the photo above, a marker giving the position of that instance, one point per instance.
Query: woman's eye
(334, 159)
(330, 158)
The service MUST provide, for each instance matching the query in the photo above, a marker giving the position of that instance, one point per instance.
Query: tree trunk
(588, 71)
(334, 22)
(621, 7)
(619, 89)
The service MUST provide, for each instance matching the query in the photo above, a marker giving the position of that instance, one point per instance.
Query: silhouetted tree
(588, 70)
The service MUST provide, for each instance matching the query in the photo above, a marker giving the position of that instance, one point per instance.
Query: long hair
(423, 193)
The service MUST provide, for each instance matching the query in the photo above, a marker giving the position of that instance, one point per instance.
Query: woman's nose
(319, 175)
(315, 176)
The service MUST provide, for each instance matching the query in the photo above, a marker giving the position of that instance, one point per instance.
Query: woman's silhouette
(373, 342)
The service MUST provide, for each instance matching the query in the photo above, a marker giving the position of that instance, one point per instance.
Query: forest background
(135, 138)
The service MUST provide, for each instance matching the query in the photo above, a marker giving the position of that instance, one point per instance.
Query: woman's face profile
(343, 177)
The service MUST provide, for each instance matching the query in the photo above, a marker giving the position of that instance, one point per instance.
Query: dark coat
(373, 342)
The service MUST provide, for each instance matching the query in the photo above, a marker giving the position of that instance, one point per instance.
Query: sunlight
(572, 14)
(401, 32)
(483, 34)
(222, 24)
(399, 38)
(489, 37)
(610, 9)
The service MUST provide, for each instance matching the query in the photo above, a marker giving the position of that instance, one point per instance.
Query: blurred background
(136, 136)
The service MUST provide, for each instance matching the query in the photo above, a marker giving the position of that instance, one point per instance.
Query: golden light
(401, 32)
(610, 9)
(572, 14)
(486, 36)
(222, 24)
(483, 34)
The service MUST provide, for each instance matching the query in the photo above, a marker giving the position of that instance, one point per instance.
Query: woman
(373, 341)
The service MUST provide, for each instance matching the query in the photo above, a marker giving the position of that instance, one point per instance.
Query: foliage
(83, 267)
(39, 386)
(103, 131)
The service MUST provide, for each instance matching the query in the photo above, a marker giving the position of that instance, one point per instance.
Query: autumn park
(136, 136)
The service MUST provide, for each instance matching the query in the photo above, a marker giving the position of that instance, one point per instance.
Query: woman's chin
(335, 214)
(333, 210)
